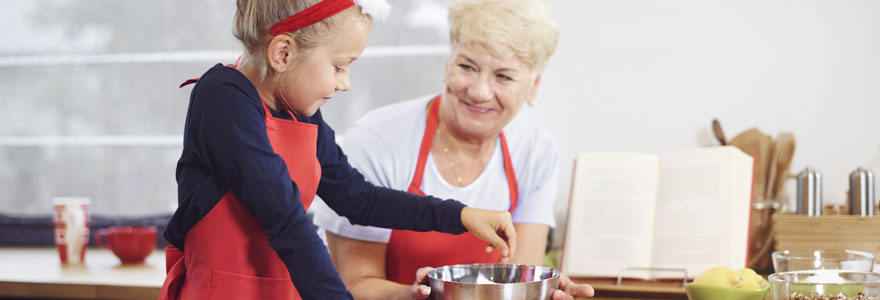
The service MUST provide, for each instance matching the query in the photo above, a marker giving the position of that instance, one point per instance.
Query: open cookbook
(686, 210)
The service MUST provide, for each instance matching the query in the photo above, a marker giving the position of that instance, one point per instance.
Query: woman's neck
(460, 158)
(461, 142)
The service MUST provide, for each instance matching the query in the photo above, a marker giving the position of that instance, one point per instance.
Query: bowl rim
(784, 254)
(776, 277)
(432, 273)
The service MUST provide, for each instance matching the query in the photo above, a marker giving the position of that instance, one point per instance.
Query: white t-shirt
(384, 147)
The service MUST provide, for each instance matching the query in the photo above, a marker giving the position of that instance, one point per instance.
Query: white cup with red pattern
(71, 217)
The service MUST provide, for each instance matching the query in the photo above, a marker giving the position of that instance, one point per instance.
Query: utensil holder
(828, 232)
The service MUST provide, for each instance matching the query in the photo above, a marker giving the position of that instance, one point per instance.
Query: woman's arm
(532, 239)
(346, 191)
(535, 236)
(361, 265)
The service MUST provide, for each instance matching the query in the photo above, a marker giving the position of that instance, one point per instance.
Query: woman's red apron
(410, 250)
(227, 253)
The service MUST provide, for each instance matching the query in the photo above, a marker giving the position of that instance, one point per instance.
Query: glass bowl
(791, 285)
(785, 260)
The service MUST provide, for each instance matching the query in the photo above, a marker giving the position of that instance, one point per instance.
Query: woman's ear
(446, 67)
(280, 53)
(534, 91)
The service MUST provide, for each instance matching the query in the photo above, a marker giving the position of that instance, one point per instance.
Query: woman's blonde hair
(524, 28)
(254, 18)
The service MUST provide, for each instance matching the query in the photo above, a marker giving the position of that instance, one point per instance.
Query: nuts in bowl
(825, 284)
(841, 296)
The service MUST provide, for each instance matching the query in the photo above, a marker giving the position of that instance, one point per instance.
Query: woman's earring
(531, 103)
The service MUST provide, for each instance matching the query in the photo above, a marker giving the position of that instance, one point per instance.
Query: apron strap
(415, 186)
(269, 113)
(194, 80)
(511, 175)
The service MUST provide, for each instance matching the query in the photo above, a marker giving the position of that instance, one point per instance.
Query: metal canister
(861, 193)
(809, 192)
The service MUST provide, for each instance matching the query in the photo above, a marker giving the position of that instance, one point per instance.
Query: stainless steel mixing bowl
(493, 281)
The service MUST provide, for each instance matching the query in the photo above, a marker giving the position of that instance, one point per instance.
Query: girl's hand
(492, 226)
(420, 288)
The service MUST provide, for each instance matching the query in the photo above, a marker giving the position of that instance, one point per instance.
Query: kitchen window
(91, 105)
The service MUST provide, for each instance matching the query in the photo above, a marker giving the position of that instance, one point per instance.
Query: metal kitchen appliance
(861, 193)
(809, 192)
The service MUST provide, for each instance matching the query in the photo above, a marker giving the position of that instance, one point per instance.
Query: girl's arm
(346, 191)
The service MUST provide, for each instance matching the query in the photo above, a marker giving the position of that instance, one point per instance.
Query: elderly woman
(464, 143)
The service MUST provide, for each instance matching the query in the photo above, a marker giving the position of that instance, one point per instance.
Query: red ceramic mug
(132, 244)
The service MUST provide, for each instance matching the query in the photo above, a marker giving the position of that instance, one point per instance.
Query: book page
(702, 210)
(610, 213)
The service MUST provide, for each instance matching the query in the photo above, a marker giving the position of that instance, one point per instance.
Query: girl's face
(317, 74)
(483, 93)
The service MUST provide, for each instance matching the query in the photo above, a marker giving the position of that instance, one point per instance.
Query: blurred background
(90, 105)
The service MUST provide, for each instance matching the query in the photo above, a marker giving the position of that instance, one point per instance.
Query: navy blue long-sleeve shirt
(226, 148)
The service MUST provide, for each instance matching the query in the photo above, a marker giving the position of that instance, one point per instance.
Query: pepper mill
(861, 193)
(809, 193)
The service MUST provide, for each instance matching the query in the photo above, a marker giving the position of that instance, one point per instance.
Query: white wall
(649, 76)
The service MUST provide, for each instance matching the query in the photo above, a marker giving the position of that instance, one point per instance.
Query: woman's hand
(568, 290)
(492, 226)
(420, 288)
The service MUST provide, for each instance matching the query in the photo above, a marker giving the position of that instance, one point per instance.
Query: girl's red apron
(227, 253)
(410, 250)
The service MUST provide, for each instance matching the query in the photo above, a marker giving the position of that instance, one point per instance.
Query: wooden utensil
(764, 162)
(786, 142)
(719, 134)
(772, 170)
(750, 142)
(782, 155)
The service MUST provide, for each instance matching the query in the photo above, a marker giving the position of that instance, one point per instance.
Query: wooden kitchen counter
(38, 273)
(608, 289)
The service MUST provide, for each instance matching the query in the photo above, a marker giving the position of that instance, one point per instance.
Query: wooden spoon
(773, 168)
(785, 141)
(764, 164)
(755, 143)
(719, 134)
(782, 155)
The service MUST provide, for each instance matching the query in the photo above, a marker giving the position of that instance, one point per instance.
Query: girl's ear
(280, 53)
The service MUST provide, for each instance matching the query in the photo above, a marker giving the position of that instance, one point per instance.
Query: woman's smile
(476, 109)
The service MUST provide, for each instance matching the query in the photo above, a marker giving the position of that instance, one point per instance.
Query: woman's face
(483, 93)
(323, 70)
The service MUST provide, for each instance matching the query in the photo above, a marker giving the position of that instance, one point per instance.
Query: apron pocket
(227, 285)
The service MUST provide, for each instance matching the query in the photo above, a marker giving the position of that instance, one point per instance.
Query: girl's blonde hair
(524, 28)
(254, 18)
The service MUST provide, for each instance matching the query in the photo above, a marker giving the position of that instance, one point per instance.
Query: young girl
(256, 151)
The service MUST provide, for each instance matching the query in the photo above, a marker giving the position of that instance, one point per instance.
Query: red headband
(311, 15)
